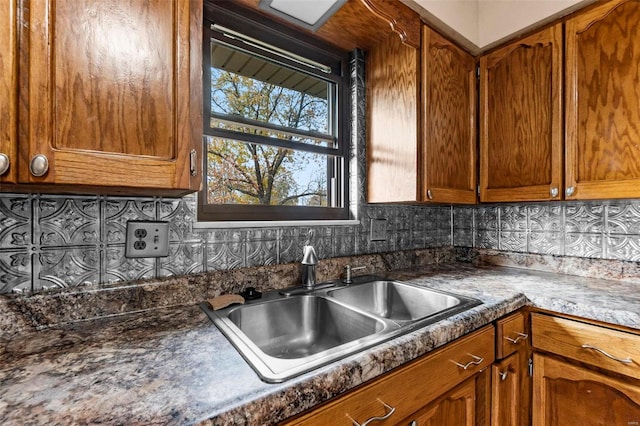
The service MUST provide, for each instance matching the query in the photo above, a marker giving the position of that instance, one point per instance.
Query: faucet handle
(347, 273)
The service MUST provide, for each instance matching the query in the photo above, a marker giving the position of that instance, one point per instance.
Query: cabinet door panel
(449, 126)
(392, 122)
(506, 392)
(521, 128)
(603, 102)
(566, 394)
(457, 408)
(107, 96)
(8, 89)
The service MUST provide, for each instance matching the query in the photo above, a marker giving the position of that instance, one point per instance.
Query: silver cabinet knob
(39, 165)
(570, 191)
(554, 192)
(4, 163)
(429, 194)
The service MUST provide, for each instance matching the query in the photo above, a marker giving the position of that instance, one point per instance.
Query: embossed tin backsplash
(594, 229)
(59, 241)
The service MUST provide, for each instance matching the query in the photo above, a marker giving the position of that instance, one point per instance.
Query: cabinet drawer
(588, 343)
(511, 335)
(409, 388)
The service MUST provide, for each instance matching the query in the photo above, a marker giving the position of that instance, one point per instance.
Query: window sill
(273, 224)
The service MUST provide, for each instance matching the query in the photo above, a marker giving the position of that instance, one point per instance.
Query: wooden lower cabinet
(567, 394)
(456, 408)
(584, 373)
(450, 381)
(505, 392)
(510, 381)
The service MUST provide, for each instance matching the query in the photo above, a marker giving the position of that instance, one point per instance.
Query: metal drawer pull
(476, 361)
(377, 418)
(626, 360)
(521, 336)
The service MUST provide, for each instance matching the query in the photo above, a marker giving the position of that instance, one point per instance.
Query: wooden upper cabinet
(8, 91)
(392, 122)
(521, 121)
(449, 98)
(111, 93)
(603, 102)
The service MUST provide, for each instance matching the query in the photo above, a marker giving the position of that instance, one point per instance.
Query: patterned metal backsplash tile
(50, 241)
(594, 229)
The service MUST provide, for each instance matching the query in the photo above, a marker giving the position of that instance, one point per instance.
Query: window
(275, 133)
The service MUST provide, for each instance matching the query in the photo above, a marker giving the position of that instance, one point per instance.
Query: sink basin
(395, 300)
(300, 326)
(282, 336)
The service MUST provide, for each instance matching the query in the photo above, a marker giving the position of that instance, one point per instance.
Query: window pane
(244, 173)
(254, 92)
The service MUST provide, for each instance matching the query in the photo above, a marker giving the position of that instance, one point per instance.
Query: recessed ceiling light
(310, 14)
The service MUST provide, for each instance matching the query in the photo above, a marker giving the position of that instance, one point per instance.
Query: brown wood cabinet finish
(511, 384)
(597, 381)
(456, 408)
(511, 335)
(506, 394)
(411, 387)
(566, 395)
(566, 338)
(520, 125)
(8, 89)
(363, 23)
(603, 102)
(449, 99)
(107, 93)
(392, 122)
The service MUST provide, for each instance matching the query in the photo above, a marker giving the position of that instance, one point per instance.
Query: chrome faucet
(309, 262)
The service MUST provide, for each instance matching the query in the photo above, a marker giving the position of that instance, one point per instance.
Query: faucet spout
(309, 262)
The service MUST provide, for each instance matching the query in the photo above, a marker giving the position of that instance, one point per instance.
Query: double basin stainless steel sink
(284, 336)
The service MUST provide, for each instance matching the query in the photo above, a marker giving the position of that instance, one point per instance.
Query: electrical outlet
(378, 230)
(147, 239)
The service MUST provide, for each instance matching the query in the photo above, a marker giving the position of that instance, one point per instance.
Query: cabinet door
(392, 122)
(107, 92)
(449, 125)
(567, 394)
(521, 119)
(8, 93)
(505, 393)
(603, 102)
(456, 408)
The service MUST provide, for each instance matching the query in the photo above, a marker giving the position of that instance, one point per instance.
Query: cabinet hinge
(478, 72)
(478, 190)
(193, 160)
(530, 367)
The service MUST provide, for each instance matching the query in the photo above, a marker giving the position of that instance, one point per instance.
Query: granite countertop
(172, 365)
